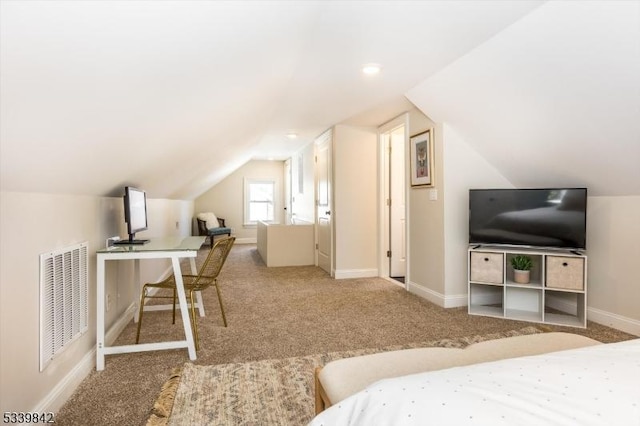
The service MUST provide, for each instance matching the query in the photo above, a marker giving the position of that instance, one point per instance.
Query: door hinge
(316, 246)
(388, 201)
(388, 253)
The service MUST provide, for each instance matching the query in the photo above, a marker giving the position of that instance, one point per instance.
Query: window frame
(247, 202)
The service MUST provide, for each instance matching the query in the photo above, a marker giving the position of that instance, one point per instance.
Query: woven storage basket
(487, 267)
(565, 272)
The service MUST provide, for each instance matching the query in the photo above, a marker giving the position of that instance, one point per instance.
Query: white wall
(355, 201)
(464, 169)
(426, 220)
(613, 246)
(438, 268)
(226, 199)
(31, 224)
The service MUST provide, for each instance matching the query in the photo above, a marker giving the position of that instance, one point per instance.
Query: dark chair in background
(221, 229)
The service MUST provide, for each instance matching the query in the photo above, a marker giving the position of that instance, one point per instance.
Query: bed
(596, 385)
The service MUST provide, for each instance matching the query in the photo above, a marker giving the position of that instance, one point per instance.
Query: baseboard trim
(454, 301)
(628, 325)
(355, 273)
(253, 240)
(426, 293)
(53, 402)
(65, 388)
(112, 334)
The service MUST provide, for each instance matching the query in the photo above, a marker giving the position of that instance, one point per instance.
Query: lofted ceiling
(553, 100)
(172, 96)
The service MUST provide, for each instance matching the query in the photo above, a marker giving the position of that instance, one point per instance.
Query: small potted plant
(521, 268)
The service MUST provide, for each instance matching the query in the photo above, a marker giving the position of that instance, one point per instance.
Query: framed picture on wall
(422, 173)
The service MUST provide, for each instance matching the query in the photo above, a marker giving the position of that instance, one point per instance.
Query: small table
(162, 248)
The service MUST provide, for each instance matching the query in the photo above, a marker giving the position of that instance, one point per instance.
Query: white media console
(556, 293)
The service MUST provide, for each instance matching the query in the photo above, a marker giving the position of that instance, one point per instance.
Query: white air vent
(64, 310)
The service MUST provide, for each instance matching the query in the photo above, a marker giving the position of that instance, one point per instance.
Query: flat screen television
(135, 214)
(546, 218)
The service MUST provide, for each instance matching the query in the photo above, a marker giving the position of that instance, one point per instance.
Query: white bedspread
(598, 385)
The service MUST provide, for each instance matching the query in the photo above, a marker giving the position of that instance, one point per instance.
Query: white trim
(628, 325)
(608, 319)
(455, 301)
(249, 240)
(395, 282)
(324, 140)
(55, 399)
(426, 293)
(355, 273)
(439, 299)
(246, 201)
(383, 260)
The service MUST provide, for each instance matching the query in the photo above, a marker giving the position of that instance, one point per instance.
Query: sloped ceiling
(173, 96)
(553, 100)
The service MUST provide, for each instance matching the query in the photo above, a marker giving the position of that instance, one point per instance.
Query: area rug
(270, 392)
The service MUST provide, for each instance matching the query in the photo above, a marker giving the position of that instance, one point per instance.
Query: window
(259, 200)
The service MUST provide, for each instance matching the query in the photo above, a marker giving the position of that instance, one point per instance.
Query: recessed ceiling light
(292, 135)
(371, 69)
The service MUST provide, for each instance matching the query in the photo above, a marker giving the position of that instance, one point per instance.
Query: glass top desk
(161, 248)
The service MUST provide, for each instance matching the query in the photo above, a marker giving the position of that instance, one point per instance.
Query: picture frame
(421, 158)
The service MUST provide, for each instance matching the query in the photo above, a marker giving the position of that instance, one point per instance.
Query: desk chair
(207, 276)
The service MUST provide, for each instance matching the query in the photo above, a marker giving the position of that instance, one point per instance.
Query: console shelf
(556, 293)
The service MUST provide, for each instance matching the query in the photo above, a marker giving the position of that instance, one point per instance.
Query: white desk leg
(194, 271)
(100, 278)
(184, 309)
(136, 279)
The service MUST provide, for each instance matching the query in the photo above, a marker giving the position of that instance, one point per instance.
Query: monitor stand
(128, 242)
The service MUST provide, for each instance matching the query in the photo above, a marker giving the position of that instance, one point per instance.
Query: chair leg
(194, 323)
(141, 307)
(224, 318)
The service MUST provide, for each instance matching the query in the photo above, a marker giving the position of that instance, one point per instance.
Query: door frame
(287, 191)
(383, 182)
(324, 138)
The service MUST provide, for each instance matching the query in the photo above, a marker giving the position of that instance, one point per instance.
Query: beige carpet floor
(275, 313)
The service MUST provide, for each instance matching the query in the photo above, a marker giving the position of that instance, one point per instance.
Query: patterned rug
(270, 392)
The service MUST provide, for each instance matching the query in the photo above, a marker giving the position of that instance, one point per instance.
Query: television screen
(554, 218)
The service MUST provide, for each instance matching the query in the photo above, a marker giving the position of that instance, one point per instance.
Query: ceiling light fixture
(292, 135)
(371, 69)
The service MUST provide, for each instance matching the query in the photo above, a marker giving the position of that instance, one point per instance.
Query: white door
(397, 219)
(287, 191)
(324, 240)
